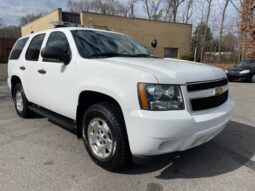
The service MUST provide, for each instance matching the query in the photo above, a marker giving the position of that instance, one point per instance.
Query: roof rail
(59, 24)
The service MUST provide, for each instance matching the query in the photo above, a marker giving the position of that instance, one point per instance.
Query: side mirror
(55, 54)
(154, 43)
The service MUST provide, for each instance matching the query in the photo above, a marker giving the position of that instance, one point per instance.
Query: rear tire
(20, 102)
(105, 137)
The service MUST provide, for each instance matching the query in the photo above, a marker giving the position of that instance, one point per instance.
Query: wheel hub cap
(19, 101)
(100, 138)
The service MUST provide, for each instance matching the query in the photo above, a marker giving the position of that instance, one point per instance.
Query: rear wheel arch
(88, 98)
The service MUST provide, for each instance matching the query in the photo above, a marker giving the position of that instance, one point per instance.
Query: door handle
(22, 67)
(42, 71)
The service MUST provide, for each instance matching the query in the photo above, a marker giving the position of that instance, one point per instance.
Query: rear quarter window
(18, 49)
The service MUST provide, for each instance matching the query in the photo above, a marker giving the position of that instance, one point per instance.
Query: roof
(70, 29)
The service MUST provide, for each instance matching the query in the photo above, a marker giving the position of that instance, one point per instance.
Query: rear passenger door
(16, 60)
(30, 67)
(57, 80)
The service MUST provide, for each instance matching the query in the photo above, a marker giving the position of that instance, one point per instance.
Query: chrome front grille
(208, 94)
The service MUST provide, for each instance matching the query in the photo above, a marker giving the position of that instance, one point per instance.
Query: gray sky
(12, 10)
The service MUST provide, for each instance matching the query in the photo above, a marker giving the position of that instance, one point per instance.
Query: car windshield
(250, 63)
(98, 44)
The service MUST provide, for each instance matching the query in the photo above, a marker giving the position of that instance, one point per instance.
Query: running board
(60, 120)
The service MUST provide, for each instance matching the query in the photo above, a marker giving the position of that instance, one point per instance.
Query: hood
(170, 70)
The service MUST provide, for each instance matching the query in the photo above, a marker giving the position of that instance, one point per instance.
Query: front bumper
(239, 77)
(9, 83)
(153, 133)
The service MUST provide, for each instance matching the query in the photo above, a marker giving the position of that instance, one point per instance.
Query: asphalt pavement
(36, 154)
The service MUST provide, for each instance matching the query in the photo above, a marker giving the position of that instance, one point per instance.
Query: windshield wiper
(107, 54)
(140, 55)
(118, 55)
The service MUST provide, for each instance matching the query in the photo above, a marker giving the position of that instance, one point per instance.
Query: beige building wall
(168, 35)
(42, 23)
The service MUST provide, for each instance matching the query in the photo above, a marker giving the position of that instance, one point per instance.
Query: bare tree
(248, 29)
(1, 22)
(147, 6)
(79, 5)
(222, 26)
(10, 32)
(101, 6)
(197, 40)
(121, 9)
(206, 28)
(189, 11)
(172, 7)
(131, 7)
(237, 4)
(153, 8)
(110, 7)
(125, 8)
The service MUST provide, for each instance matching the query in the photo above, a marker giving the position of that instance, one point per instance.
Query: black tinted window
(58, 39)
(18, 49)
(34, 48)
(248, 63)
(94, 44)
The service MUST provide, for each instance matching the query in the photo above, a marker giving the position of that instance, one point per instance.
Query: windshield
(96, 44)
(249, 63)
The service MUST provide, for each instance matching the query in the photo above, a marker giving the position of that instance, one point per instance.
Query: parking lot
(36, 154)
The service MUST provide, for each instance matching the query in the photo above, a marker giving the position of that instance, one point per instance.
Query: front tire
(105, 137)
(20, 102)
(253, 78)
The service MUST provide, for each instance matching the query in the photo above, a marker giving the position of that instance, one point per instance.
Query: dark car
(245, 71)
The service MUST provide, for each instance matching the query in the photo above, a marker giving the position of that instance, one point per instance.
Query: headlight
(160, 97)
(245, 72)
(226, 71)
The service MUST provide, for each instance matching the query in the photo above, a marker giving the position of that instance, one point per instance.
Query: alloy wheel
(19, 101)
(100, 138)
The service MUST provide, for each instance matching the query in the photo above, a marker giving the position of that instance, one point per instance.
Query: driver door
(56, 80)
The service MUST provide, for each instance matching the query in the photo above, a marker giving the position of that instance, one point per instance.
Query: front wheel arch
(14, 81)
(88, 98)
(23, 111)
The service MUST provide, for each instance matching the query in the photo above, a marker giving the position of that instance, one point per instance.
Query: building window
(171, 53)
(71, 17)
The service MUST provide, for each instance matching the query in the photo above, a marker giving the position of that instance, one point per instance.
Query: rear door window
(18, 49)
(34, 48)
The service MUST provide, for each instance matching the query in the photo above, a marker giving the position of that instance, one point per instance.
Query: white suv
(120, 99)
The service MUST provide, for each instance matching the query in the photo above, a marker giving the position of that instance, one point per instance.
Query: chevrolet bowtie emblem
(218, 91)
